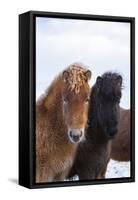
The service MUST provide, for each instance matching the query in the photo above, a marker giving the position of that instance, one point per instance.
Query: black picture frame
(27, 86)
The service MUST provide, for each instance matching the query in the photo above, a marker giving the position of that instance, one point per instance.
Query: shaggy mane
(76, 76)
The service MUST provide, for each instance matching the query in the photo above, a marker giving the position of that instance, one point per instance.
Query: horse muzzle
(76, 135)
(111, 132)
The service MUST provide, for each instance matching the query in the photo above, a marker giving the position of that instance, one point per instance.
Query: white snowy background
(102, 46)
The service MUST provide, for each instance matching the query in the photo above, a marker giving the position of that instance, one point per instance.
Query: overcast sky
(101, 46)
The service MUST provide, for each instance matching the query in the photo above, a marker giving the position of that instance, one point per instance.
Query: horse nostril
(71, 135)
(81, 133)
(113, 132)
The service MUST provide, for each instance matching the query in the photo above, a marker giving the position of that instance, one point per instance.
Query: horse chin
(74, 142)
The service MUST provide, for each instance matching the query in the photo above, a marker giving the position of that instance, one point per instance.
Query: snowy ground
(117, 169)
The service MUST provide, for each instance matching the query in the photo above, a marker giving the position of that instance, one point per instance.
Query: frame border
(27, 57)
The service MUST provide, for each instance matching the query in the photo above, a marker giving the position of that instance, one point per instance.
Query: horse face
(109, 95)
(75, 111)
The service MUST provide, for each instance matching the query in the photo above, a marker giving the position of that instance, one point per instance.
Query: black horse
(94, 153)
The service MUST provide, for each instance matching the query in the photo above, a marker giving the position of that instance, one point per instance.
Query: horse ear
(88, 75)
(65, 76)
(99, 81)
(119, 80)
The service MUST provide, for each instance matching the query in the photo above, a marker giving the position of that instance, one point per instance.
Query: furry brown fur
(121, 143)
(60, 112)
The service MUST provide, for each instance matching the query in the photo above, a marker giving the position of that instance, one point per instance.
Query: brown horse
(61, 117)
(121, 143)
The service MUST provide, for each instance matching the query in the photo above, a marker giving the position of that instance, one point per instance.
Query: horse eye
(65, 100)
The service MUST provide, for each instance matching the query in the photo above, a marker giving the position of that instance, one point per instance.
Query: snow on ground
(117, 169)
